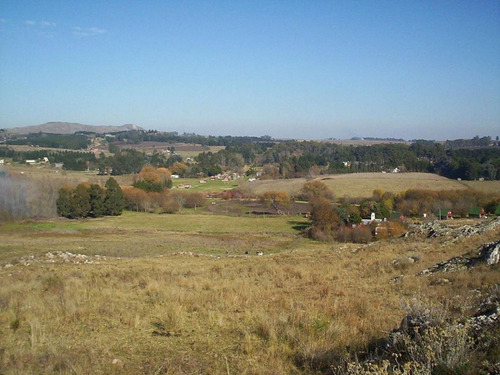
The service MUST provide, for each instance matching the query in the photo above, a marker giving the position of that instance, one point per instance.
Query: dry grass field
(63, 176)
(352, 185)
(176, 294)
(363, 184)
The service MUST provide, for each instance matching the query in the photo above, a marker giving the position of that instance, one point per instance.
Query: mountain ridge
(59, 127)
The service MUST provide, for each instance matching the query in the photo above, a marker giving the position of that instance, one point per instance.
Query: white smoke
(23, 197)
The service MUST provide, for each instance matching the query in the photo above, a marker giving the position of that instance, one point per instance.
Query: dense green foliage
(465, 159)
(70, 141)
(90, 200)
(71, 160)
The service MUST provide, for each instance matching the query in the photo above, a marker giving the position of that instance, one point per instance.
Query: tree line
(69, 141)
(291, 159)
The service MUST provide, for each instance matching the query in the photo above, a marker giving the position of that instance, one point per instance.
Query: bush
(171, 206)
(390, 229)
(193, 200)
(358, 234)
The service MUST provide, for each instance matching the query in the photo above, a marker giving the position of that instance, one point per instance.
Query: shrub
(390, 229)
(171, 206)
(358, 234)
(193, 200)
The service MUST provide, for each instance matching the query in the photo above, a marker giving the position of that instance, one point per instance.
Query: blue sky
(293, 69)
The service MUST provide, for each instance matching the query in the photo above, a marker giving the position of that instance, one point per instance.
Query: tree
(324, 215)
(80, 201)
(276, 199)
(136, 199)
(64, 207)
(193, 200)
(152, 179)
(316, 189)
(179, 168)
(113, 201)
(97, 196)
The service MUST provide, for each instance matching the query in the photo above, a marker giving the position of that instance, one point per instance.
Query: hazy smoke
(23, 197)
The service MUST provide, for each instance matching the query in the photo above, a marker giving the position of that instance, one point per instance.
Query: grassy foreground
(176, 294)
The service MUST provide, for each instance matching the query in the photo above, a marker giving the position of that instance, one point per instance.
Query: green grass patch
(211, 186)
(136, 234)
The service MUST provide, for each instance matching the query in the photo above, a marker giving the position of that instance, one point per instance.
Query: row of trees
(90, 200)
(167, 201)
(150, 193)
(290, 159)
(71, 160)
(69, 141)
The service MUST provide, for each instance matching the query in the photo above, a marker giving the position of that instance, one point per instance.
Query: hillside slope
(70, 128)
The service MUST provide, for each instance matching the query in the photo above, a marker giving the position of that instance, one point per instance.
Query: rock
(437, 229)
(117, 362)
(454, 264)
(488, 253)
(488, 312)
(397, 279)
(440, 281)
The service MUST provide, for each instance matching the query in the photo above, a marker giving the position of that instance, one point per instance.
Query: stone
(488, 253)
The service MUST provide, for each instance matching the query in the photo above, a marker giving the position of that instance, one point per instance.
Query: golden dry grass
(145, 308)
(63, 176)
(363, 184)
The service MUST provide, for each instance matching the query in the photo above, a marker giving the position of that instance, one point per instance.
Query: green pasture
(136, 234)
(211, 186)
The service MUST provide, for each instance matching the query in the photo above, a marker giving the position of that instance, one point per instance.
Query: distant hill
(70, 128)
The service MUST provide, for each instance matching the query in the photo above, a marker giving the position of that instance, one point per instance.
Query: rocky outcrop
(486, 254)
(490, 253)
(57, 257)
(444, 229)
(416, 324)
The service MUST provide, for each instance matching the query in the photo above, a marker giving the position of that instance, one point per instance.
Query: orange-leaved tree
(316, 189)
(153, 179)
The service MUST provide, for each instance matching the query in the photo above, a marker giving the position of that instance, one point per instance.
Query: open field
(186, 150)
(211, 186)
(69, 177)
(176, 294)
(363, 184)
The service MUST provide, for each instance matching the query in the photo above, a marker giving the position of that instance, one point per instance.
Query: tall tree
(113, 202)
(96, 199)
(64, 206)
(80, 201)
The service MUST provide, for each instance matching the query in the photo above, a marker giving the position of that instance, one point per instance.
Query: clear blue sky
(295, 69)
